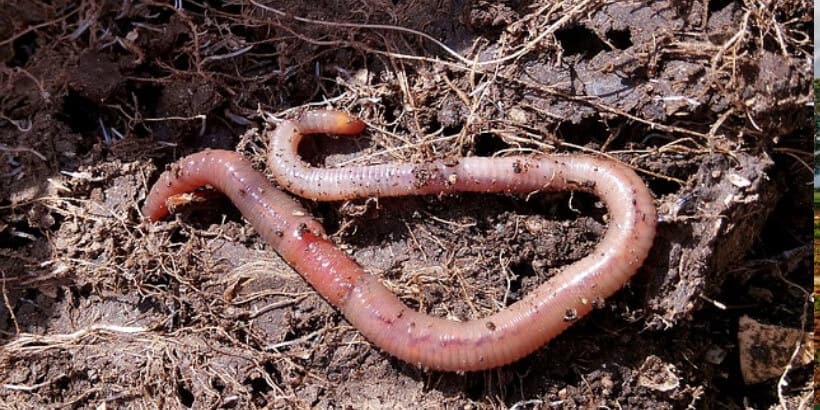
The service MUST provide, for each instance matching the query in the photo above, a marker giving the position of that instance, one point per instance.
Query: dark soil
(710, 106)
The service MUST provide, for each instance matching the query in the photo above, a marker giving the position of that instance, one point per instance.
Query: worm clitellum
(424, 340)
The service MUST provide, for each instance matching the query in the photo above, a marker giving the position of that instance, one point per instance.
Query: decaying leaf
(765, 350)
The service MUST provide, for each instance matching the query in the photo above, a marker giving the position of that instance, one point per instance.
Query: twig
(33, 387)
(798, 346)
(39, 343)
(29, 29)
(6, 148)
(8, 304)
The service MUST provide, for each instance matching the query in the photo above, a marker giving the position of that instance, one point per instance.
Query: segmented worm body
(424, 340)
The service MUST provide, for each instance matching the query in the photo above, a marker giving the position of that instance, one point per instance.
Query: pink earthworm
(417, 338)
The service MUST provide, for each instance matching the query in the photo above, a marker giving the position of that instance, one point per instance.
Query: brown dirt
(97, 97)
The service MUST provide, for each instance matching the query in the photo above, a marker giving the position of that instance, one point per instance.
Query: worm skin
(380, 316)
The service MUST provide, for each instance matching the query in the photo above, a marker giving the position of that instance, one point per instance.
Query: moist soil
(709, 101)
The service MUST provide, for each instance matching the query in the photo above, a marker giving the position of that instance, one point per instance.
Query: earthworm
(414, 337)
